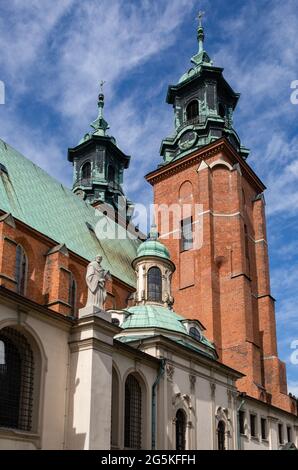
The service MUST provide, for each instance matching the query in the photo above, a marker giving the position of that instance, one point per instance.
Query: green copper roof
(154, 316)
(152, 247)
(37, 199)
(146, 317)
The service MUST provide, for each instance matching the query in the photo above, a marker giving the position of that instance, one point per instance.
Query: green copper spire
(100, 125)
(201, 35)
(202, 56)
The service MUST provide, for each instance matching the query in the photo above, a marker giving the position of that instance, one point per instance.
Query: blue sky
(54, 53)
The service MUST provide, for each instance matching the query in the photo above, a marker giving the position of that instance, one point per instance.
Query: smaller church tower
(98, 166)
(154, 270)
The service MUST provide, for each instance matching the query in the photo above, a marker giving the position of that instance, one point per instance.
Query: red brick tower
(224, 281)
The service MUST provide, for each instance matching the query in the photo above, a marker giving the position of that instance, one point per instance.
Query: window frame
(129, 416)
(221, 435)
(87, 178)
(264, 427)
(253, 425)
(193, 103)
(72, 295)
(23, 410)
(281, 433)
(154, 295)
(241, 422)
(186, 244)
(180, 431)
(21, 270)
(289, 433)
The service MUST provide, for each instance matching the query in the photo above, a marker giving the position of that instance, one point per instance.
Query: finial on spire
(201, 57)
(201, 35)
(100, 124)
(101, 84)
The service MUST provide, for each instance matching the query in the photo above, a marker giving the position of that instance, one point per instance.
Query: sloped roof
(40, 201)
(153, 316)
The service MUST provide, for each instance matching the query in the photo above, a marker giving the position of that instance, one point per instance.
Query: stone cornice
(30, 307)
(129, 351)
(220, 145)
(194, 356)
(94, 322)
(91, 343)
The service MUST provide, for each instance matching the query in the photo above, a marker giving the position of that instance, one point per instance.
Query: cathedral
(183, 353)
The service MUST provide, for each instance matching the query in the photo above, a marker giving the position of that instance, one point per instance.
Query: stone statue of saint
(96, 278)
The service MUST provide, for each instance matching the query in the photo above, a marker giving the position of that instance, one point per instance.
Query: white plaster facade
(80, 383)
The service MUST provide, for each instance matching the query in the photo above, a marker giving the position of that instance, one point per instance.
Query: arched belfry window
(72, 295)
(111, 174)
(133, 413)
(180, 429)
(221, 110)
(16, 380)
(221, 430)
(21, 270)
(86, 171)
(192, 110)
(154, 281)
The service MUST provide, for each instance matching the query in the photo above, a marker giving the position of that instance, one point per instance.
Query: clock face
(80, 193)
(187, 140)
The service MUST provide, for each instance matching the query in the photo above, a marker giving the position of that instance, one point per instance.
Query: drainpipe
(238, 424)
(153, 408)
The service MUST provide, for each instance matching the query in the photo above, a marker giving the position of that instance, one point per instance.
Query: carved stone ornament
(192, 380)
(170, 369)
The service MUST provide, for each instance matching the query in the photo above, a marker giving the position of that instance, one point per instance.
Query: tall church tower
(221, 255)
(98, 167)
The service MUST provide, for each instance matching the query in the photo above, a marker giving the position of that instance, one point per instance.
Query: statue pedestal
(92, 310)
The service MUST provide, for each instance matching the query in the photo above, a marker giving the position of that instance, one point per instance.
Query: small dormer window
(192, 110)
(195, 333)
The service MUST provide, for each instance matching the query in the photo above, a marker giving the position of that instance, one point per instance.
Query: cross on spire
(101, 84)
(200, 16)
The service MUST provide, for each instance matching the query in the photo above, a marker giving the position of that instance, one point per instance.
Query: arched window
(111, 173)
(221, 110)
(221, 429)
(21, 270)
(154, 284)
(192, 110)
(72, 295)
(16, 380)
(180, 430)
(86, 171)
(115, 409)
(133, 413)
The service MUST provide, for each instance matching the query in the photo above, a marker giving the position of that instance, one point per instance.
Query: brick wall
(229, 290)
